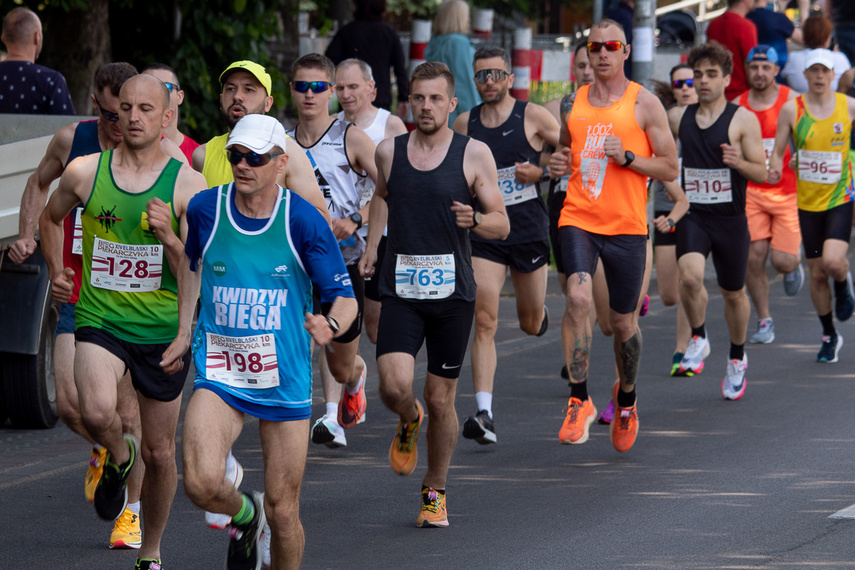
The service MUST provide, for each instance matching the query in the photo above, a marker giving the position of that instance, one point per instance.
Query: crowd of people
(287, 239)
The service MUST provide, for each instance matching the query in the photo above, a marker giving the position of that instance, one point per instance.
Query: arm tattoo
(630, 356)
(567, 106)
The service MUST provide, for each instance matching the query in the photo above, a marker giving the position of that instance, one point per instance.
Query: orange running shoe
(624, 427)
(433, 513)
(580, 416)
(351, 407)
(404, 452)
(94, 471)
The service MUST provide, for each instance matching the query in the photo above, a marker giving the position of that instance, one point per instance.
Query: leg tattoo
(630, 355)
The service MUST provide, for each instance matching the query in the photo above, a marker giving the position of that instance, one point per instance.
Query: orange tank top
(768, 126)
(602, 197)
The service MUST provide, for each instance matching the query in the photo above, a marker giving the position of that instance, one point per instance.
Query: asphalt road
(708, 484)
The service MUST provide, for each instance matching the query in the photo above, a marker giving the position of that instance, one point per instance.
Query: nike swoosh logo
(447, 367)
(506, 133)
(536, 259)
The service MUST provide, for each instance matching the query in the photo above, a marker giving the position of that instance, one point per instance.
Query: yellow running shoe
(93, 473)
(433, 512)
(126, 531)
(404, 452)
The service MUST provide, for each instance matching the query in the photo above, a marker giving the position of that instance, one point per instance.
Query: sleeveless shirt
(769, 126)
(216, 169)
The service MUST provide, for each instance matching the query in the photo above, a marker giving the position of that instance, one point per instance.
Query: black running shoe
(480, 428)
(544, 324)
(148, 564)
(111, 494)
(565, 373)
(245, 543)
(844, 304)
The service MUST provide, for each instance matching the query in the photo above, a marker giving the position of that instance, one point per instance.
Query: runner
(820, 122)
(343, 159)
(616, 133)
(771, 210)
(354, 87)
(176, 97)
(237, 232)
(722, 151)
(126, 312)
(515, 132)
(432, 178)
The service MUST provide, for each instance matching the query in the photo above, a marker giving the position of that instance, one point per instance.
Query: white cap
(822, 56)
(258, 133)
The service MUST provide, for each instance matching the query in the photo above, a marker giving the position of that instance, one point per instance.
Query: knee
(835, 266)
(393, 391)
(486, 322)
(200, 485)
(439, 403)
(159, 455)
(691, 282)
(623, 327)
(578, 303)
(341, 371)
(669, 298)
(97, 418)
(530, 324)
(283, 514)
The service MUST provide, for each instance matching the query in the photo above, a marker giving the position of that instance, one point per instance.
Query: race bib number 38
(424, 276)
(242, 362)
(820, 167)
(708, 185)
(126, 268)
(514, 192)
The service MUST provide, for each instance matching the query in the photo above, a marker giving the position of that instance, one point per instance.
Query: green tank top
(127, 287)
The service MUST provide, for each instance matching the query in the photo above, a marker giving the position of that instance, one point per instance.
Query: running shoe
(351, 407)
(607, 415)
(326, 431)
(234, 475)
(126, 531)
(93, 472)
(111, 493)
(480, 428)
(580, 416)
(624, 428)
(830, 348)
(265, 546)
(245, 540)
(544, 324)
(693, 360)
(733, 385)
(565, 373)
(433, 513)
(675, 364)
(404, 451)
(148, 564)
(845, 304)
(793, 281)
(645, 306)
(765, 332)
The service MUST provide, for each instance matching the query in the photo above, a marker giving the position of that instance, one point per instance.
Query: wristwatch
(333, 325)
(476, 219)
(671, 223)
(356, 219)
(629, 157)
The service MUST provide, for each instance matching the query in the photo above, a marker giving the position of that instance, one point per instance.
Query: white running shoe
(265, 546)
(733, 385)
(794, 280)
(765, 332)
(328, 432)
(693, 359)
(234, 475)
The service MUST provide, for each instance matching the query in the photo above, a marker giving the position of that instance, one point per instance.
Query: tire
(29, 385)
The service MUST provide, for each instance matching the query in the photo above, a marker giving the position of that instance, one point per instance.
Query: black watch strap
(333, 325)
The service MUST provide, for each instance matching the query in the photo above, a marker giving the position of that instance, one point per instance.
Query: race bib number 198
(424, 276)
(242, 362)
(126, 268)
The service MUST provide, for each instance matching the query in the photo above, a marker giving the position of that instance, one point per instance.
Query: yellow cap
(250, 67)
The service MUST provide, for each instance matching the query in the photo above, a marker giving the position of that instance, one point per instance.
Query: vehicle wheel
(29, 385)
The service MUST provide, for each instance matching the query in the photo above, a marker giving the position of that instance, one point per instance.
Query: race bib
(514, 192)
(126, 268)
(242, 362)
(77, 233)
(820, 167)
(708, 185)
(424, 276)
(561, 185)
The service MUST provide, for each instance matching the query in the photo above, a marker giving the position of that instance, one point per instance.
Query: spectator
(376, 43)
(843, 15)
(26, 86)
(817, 34)
(623, 14)
(738, 34)
(774, 29)
(451, 45)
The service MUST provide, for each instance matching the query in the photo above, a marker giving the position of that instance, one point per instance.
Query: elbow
(505, 230)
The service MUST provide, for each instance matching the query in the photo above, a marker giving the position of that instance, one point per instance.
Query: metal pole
(643, 24)
(598, 10)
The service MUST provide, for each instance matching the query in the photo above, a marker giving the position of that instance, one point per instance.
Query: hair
(113, 75)
(19, 25)
(580, 46)
(816, 30)
(713, 52)
(370, 10)
(607, 23)
(162, 67)
(364, 68)
(452, 16)
(489, 52)
(664, 93)
(314, 61)
(433, 70)
(677, 68)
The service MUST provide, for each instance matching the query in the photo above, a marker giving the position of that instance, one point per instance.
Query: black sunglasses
(253, 159)
(678, 83)
(315, 86)
(108, 115)
(613, 45)
(172, 86)
(494, 74)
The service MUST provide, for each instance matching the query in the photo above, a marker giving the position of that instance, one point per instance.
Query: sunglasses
(678, 83)
(613, 45)
(172, 86)
(494, 74)
(108, 115)
(253, 159)
(315, 86)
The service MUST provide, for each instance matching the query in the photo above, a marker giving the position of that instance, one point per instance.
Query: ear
(453, 104)
(168, 115)
(180, 96)
(268, 103)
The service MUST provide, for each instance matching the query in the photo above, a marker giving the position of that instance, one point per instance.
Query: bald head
(148, 87)
(609, 28)
(19, 25)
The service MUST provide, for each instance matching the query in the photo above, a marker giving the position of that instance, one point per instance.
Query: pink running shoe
(608, 414)
(644, 306)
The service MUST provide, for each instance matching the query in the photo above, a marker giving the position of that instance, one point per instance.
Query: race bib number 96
(708, 185)
(820, 167)
(514, 192)
(424, 276)
(126, 268)
(242, 362)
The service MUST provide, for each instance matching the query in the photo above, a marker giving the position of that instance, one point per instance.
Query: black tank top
(421, 222)
(85, 140)
(509, 145)
(702, 150)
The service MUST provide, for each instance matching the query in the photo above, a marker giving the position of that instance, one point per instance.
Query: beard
(231, 119)
(428, 129)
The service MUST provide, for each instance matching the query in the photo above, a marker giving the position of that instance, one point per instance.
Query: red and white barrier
(521, 60)
(482, 23)
(419, 38)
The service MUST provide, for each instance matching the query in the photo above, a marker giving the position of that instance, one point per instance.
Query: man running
(722, 150)
(126, 316)
(176, 97)
(820, 122)
(772, 211)
(616, 134)
(343, 159)
(257, 240)
(515, 131)
(428, 182)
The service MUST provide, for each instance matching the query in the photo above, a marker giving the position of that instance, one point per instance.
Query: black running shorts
(520, 257)
(726, 237)
(817, 227)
